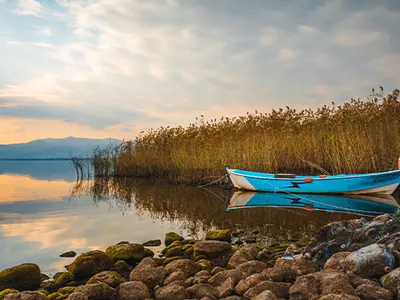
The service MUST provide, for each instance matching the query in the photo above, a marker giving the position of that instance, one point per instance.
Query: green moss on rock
(90, 263)
(55, 296)
(224, 235)
(64, 279)
(111, 278)
(67, 290)
(23, 277)
(131, 253)
(171, 237)
(148, 253)
(170, 259)
(175, 251)
(4, 293)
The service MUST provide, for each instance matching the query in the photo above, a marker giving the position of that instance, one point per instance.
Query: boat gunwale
(302, 177)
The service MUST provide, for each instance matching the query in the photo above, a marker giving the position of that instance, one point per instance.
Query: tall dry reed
(360, 136)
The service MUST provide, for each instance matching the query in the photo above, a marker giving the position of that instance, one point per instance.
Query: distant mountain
(54, 148)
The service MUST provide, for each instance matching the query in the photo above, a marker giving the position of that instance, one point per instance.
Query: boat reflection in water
(363, 205)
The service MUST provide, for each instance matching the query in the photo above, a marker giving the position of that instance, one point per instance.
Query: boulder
(77, 296)
(171, 237)
(22, 277)
(188, 267)
(280, 289)
(97, 291)
(252, 267)
(133, 290)
(174, 276)
(5, 292)
(232, 298)
(111, 278)
(67, 290)
(247, 283)
(356, 280)
(152, 243)
(212, 249)
(305, 287)
(89, 264)
(391, 281)
(29, 295)
(224, 235)
(336, 262)
(63, 279)
(202, 290)
(174, 251)
(220, 277)
(123, 268)
(205, 265)
(368, 291)
(172, 292)
(338, 297)
(131, 253)
(336, 283)
(149, 276)
(146, 263)
(244, 254)
(273, 274)
(226, 288)
(266, 295)
(370, 261)
(68, 254)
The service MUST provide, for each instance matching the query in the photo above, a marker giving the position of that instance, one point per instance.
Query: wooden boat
(373, 183)
(370, 205)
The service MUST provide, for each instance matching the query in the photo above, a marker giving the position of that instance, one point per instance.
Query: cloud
(45, 32)
(353, 38)
(29, 7)
(286, 54)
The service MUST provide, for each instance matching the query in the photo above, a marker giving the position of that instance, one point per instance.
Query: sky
(112, 68)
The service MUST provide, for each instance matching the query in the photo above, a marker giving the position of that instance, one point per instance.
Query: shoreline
(346, 259)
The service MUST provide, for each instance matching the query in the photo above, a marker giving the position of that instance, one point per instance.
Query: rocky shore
(349, 260)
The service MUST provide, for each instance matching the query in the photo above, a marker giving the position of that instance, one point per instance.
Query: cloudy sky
(111, 68)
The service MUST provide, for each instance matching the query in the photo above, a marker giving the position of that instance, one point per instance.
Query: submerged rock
(223, 235)
(89, 264)
(68, 254)
(22, 277)
(152, 243)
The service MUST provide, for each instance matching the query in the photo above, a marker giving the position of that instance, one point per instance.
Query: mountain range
(54, 148)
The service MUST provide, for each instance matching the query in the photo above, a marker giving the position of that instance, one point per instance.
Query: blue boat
(370, 205)
(373, 183)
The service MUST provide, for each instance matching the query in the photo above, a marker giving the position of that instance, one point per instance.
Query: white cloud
(354, 38)
(306, 29)
(286, 54)
(29, 7)
(16, 43)
(43, 45)
(45, 32)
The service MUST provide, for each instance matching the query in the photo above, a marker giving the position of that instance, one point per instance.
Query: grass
(359, 136)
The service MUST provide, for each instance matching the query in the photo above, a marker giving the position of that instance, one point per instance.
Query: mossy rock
(55, 296)
(189, 251)
(111, 278)
(90, 263)
(223, 235)
(67, 290)
(123, 268)
(64, 279)
(4, 293)
(43, 291)
(172, 245)
(148, 253)
(205, 264)
(23, 277)
(170, 259)
(175, 251)
(171, 237)
(131, 253)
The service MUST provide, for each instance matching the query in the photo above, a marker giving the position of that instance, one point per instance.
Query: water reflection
(363, 205)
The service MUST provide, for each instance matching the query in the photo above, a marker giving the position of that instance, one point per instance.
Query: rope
(212, 182)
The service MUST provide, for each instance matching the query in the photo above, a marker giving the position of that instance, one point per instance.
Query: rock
(292, 250)
(133, 290)
(180, 283)
(148, 253)
(232, 298)
(212, 249)
(273, 274)
(22, 277)
(174, 251)
(245, 284)
(63, 280)
(5, 292)
(131, 253)
(149, 276)
(336, 283)
(219, 278)
(89, 264)
(56, 296)
(146, 263)
(172, 292)
(252, 267)
(223, 235)
(291, 268)
(170, 259)
(280, 289)
(171, 237)
(77, 296)
(188, 267)
(202, 273)
(26, 296)
(123, 268)
(338, 297)
(391, 281)
(266, 295)
(111, 278)
(97, 291)
(226, 288)
(244, 254)
(265, 255)
(336, 262)
(67, 290)
(152, 243)
(356, 280)
(44, 277)
(370, 261)
(174, 276)
(200, 279)
(202, 290)
(373, 292)
(205, 265)
(305, 287)
(68, 254)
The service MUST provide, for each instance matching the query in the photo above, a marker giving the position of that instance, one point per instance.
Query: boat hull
(374, 183)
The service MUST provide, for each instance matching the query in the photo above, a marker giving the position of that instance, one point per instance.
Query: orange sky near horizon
(23, 130)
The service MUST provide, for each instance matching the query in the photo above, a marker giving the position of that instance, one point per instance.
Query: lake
(45, 212)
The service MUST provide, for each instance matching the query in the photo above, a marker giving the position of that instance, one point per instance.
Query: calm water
(44, 212)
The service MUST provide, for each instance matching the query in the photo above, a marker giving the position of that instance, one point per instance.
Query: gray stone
(133, 290)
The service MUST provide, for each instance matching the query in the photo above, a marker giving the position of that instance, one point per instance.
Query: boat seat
(281, 175)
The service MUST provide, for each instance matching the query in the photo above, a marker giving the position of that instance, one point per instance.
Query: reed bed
(359, 136)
